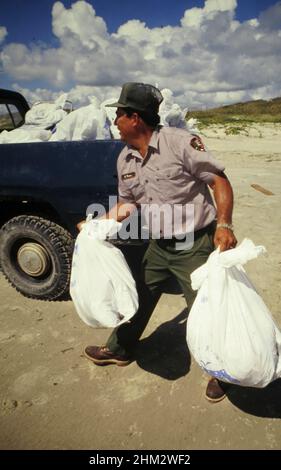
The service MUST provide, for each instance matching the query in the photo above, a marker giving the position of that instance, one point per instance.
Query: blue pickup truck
(45, 189)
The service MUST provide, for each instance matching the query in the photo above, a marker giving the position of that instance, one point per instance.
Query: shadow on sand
(165, 352)
(262, 402)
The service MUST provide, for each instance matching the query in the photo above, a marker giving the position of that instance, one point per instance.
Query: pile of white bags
(101, 286)
(45, 115)
(111, 116)
(38, 120)
(172, 115)
(23, 134)
(91, 122)
(86, 123)
(230, 331)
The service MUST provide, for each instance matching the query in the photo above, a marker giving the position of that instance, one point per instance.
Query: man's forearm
(223, 195)
(120, 211)
(224, 237)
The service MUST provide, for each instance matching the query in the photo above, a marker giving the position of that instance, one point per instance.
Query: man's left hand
(225, 239)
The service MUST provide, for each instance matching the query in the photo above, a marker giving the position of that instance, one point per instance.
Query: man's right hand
(80, 225)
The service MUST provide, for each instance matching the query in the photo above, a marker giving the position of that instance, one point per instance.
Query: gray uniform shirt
(175, 173)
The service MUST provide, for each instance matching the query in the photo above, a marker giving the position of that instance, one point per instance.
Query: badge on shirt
(128, 176)
(197, 144)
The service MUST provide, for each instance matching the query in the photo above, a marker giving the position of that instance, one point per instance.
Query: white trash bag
(230, 331)
(101, 285)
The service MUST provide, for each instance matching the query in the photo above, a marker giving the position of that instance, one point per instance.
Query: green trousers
(161, 261)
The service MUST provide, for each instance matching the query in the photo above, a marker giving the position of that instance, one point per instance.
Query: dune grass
(240, 114)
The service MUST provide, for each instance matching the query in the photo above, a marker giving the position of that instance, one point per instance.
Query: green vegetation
(6, 122)
(235, 130)
(239, 115)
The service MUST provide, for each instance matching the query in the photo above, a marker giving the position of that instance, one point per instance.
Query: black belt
(192, 236)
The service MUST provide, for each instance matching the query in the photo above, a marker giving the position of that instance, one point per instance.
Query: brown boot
(215, 390)
(102, 356)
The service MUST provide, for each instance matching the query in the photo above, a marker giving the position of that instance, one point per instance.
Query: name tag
(128, 176)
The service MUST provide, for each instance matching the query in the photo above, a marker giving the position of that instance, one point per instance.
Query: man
(165, 167)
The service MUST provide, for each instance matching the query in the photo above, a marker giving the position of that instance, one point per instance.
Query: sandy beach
(51, 397)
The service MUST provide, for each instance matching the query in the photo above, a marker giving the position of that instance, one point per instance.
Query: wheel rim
(33, 259)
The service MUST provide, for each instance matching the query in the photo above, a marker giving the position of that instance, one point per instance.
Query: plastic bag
(44, 114)
(86, 123)
(101, 285)
(230, 331)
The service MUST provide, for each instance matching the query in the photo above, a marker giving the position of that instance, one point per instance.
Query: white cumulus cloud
(209, 58)
(220, 5)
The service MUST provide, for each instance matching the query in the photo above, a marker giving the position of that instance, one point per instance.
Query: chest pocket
(134, 187)
(169, 179)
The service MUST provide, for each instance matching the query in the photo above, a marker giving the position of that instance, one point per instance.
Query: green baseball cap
(139, 96)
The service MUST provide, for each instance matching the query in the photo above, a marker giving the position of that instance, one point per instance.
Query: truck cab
(45, 189)
(13, 108)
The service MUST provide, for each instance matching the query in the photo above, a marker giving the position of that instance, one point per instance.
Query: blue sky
(207, 52)
(33, 17)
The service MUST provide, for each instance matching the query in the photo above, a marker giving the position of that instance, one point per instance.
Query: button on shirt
(173, 173)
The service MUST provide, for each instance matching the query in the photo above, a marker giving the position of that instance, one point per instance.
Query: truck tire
(35, 255)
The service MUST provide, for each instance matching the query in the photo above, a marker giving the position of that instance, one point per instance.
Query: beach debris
(262, 190)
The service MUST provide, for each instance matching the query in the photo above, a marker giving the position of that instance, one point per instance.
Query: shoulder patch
(197, 144)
